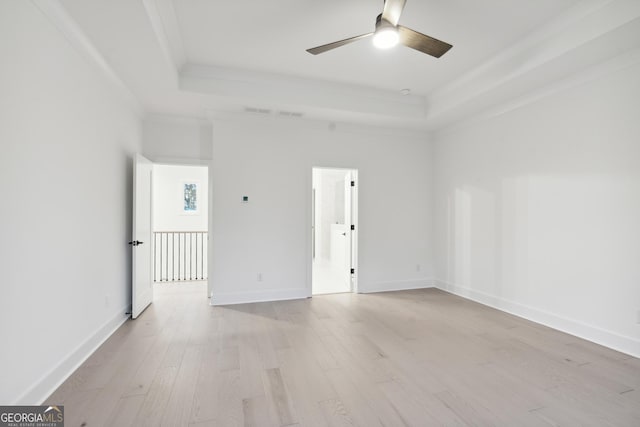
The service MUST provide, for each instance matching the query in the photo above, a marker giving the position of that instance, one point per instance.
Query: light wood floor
(412, 358)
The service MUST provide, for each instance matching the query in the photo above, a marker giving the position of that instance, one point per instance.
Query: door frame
(140, 165)
(354, 221)
(177, 161)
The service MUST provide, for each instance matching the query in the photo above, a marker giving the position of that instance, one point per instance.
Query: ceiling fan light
(386, 37)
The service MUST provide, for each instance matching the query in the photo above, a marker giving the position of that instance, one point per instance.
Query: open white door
(142, 286)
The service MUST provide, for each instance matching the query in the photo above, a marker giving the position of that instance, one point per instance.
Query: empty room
(320, 213)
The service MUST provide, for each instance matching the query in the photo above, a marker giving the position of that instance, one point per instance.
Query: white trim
(163, 19)
(598, 71)
(153, 117)
(561, 23)
(245, 297)
(217, 79)
(50, 381)
(234, 90)
(589, 33)
(58, 16)
(175, 161)
(308, 123)
(402, 285)
(615, 341)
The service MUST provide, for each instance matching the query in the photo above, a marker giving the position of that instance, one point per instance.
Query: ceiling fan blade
(326, 47)
(423, 43)
(392, 10)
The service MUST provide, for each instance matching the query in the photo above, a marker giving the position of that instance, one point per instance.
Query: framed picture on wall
(189, 198)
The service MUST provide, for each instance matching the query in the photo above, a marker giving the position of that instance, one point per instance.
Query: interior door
(341, 234)
(142, 286)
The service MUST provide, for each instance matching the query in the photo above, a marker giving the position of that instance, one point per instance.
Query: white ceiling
(202, 58)
(273, 35)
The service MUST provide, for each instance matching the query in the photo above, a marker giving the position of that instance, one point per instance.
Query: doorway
(180, 223)
(334, 242)
(170, 241)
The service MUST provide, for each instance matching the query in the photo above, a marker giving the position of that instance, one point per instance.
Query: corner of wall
(56, 376)
(624, 344)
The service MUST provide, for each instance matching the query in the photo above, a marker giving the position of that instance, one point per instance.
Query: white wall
(537, 210)
(67, 139)
(168, 196)
(174, 138)
(271, 161)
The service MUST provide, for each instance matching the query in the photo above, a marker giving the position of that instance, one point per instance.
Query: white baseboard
(55, 377)
(230, 298)
(403, 285)
(591, 333)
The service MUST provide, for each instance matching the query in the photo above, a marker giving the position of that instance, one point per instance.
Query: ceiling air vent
(257, 110)
(296, 114)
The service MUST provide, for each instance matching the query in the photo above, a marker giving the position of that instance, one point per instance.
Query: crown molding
(592, 33)
(155, 117)
(164, 21)
(555, 26)
(317, 125)
(58, 16)
(597, 71)
(232, 90)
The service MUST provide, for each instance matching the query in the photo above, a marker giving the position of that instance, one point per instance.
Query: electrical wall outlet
(259, 277)
(418, 267)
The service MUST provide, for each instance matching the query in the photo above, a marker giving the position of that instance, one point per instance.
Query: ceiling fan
(388, 34)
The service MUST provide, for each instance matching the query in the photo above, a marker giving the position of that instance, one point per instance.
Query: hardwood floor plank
(219, 400)
(122, 365)
(410, 358)
(126, 411)
(464, 410)
(410, 407)
(367, 403)
(256, 412)
(179, 406)
(304, 339)
(157, 398)
(140, 382)
(307, 385)
(229, 359)
(76, 406)
(279, 397)
(335, 413)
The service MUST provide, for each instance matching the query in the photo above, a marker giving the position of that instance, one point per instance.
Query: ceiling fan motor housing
(382, 23)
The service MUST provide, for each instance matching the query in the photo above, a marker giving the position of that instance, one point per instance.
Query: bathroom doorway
(334, 213)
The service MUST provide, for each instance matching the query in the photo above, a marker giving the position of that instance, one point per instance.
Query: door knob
(136, 243)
